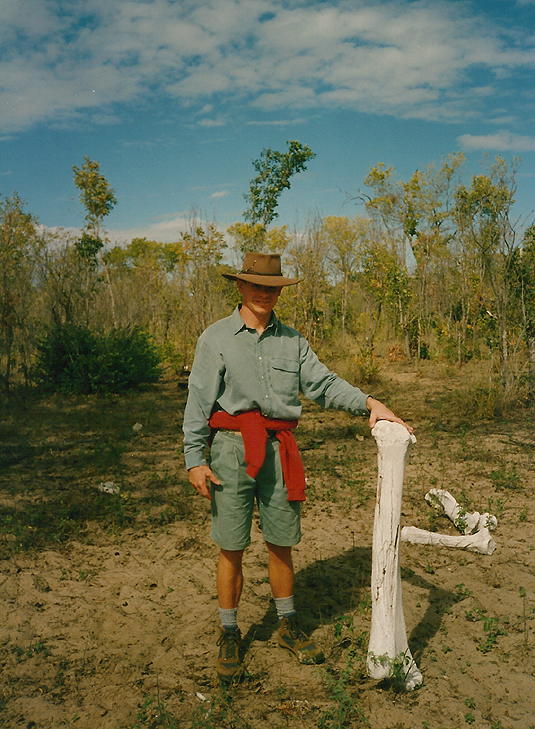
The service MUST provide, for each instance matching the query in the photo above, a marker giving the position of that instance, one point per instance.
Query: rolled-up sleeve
(326, 388)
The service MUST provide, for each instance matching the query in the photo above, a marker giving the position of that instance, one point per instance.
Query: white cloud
(211, 123)
(275, 122)
(168, 230)
(221, 193)
(502, 141)
(420, 59)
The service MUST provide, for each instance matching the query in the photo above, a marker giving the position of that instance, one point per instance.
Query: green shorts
(233, 501)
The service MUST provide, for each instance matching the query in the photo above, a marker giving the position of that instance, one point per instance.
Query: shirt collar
(238, 324)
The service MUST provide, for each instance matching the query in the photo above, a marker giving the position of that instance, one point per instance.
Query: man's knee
(233, 556)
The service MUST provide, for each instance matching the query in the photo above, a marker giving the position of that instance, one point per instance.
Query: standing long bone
(388, 645)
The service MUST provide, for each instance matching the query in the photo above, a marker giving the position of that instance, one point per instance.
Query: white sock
(229, 618)
(285, 606)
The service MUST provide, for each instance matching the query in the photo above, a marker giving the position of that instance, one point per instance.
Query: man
(244, 400)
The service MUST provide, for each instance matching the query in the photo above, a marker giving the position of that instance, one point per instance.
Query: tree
(522, 291)
(386, 284)
(344, 242)
(483, 214)
(275, 239)
(274, 172)
(428, 227)
(18, 243)
(96, 196)
(99, 199)
(308, 260)
(150, 286)
(204, 247)
(68, 284)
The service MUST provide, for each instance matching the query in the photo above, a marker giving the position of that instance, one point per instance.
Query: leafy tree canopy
(96, 195)
(274, 172)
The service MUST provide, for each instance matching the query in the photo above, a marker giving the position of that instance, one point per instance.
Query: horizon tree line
(433, 268)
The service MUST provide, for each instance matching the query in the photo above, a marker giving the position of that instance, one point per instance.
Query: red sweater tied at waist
(254, 428)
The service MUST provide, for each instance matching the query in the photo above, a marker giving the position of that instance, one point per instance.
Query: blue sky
(176, 98)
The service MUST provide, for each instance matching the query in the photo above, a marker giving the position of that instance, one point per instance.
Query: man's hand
(378, 411)
(199, 476)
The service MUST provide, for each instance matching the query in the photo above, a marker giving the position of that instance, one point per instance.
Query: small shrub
(479, 402)
(74, 359)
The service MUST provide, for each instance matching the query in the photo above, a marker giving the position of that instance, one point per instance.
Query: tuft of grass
(153, 713)
(506, 479)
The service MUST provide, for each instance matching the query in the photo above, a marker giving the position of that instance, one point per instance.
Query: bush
(76, 359)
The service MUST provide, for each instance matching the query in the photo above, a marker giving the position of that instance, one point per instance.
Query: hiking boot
(228, 661)
(289, 636)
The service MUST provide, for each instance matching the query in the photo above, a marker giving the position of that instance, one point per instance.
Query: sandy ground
(117, 628)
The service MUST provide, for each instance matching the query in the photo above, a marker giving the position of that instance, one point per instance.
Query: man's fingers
(199, 477)
(378, 411)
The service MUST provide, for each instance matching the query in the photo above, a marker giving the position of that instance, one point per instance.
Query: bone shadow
(328, 588)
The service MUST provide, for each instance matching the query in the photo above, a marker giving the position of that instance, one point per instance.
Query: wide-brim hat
(263, 269)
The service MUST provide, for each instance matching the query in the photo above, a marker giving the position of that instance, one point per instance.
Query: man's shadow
(329, 588)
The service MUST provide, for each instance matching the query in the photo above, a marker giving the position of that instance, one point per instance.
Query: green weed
(398, 668)
(38, 649)
(153, 713)
(461, 592)
(506, 479)
(347, 711)
(492, 628)
(218, 713)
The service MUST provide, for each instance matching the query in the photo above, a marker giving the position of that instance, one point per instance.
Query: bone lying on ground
(480, 542)
(388, 650)
(464, 521)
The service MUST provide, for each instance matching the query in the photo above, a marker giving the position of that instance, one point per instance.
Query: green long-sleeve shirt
(237, 369)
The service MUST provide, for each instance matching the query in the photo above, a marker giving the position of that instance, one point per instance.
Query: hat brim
(262, 280)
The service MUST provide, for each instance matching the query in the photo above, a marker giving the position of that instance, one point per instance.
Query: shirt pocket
(285, 377)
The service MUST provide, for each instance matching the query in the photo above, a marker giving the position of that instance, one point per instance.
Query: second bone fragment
(464, 521)
(475, 526)
(481, 541)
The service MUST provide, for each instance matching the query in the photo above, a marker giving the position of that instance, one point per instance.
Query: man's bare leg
(229, 578)
(281, 578)
(280, 570)
(229, 587)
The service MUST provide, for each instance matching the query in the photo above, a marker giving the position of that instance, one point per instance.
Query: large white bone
(480, 542)
(388, 650)
(464, 521)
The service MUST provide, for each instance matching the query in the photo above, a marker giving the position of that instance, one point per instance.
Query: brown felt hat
(263, 269)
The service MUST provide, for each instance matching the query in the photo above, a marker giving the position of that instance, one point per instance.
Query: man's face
(257, 298)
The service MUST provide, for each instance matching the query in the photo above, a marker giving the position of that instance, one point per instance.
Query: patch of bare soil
(108, 613)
